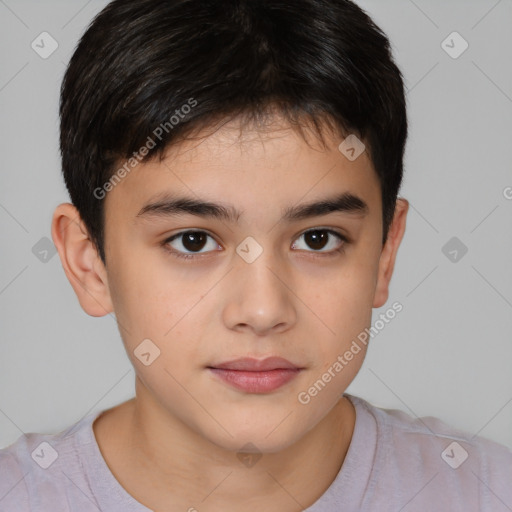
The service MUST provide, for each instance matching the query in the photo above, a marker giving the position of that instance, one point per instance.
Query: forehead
(272, 137)
(250, 165)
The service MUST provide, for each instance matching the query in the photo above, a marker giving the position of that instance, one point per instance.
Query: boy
(270, 136)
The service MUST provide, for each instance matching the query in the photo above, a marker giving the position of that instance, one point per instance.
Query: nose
(260, 297)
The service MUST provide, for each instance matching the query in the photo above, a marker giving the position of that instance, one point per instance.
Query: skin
(174, 446)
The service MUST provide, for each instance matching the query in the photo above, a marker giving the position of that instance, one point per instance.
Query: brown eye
(194, 240)
(189, 243)
(319, 239)
(316, 239)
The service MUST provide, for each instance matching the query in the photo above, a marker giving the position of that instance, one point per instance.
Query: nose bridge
(261, 273)
(259, 277)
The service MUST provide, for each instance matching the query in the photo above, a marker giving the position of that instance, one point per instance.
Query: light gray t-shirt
(394, 463)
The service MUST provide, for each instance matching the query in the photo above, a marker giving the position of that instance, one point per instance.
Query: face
(209, 288)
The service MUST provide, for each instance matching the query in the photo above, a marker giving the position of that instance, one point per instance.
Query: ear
(389, 251)
(80, 260)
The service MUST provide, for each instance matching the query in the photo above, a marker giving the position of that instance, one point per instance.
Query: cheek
(343, 304)
(142, 304)
(171, 316)
(344, 300)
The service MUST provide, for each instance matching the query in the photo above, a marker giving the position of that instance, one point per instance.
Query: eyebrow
(170, 206)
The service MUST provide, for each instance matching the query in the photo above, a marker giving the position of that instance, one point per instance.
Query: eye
(190, 244)
(322, 238)
(192, 241)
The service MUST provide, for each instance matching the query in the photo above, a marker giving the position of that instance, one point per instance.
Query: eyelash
(315, 254)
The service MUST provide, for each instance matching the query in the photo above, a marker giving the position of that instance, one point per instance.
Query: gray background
(447, 354)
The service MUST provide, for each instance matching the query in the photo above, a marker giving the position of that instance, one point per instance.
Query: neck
(165, 463)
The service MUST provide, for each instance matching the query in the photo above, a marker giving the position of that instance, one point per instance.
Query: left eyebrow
(170, 206)
(343, 203)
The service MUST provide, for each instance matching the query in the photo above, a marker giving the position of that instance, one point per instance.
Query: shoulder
(427, 453)
(431, 438)
(41, 471)
(13, 489)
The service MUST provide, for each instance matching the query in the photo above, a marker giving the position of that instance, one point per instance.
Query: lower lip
(256, 382)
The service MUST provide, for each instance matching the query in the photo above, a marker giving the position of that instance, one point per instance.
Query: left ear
(389, 251)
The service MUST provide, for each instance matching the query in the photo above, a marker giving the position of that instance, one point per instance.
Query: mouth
(256, 376)
(250, 364)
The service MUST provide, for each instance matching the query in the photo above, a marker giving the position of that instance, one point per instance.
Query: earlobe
(389, 252)
(80, 261)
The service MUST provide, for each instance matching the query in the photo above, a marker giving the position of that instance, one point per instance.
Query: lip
(250, 364)
(256, 376)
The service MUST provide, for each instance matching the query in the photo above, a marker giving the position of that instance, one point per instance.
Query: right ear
(80, 260)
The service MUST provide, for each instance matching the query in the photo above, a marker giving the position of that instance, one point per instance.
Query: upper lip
(257, 365)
